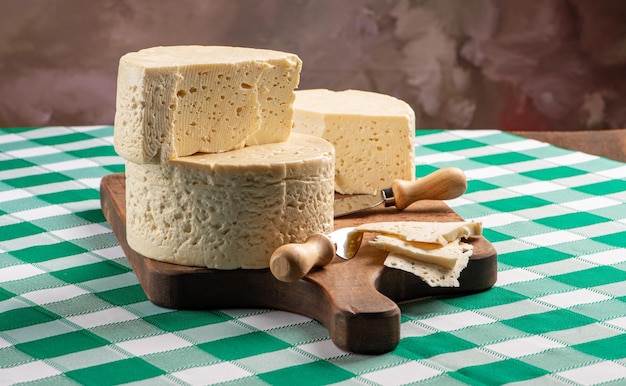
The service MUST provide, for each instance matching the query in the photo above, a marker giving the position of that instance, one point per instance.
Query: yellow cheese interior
(372, 134)
(434, 251)
(179, 100)
(424, 232)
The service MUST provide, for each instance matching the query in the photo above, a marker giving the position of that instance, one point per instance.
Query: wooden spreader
(356, 300)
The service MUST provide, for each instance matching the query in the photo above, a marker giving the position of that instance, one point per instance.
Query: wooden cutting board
(356, 300)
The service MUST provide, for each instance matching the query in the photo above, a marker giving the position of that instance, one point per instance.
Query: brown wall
(509, 64)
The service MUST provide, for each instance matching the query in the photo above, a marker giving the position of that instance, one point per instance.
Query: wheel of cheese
(372, 134)
(231, 210)
(178, 100)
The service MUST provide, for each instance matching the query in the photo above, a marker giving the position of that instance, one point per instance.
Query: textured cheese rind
(434, 275)
(372, 134)
(445, 256)
(231, 210)
(178, 100)
(439, 233)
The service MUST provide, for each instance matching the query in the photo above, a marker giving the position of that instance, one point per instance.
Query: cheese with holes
(178, 100)
(432, 274)
(372, 134)
(433, 251)
(231, 210)
(445, 256)
(440, 233)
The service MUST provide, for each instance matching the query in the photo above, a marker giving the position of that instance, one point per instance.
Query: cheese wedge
(372, 134)
(231, 210)
(440, 233)
(178, 100)
(445, 256)
(432, 274)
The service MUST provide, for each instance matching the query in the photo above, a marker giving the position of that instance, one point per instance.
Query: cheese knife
(291, 262)
(443, 184)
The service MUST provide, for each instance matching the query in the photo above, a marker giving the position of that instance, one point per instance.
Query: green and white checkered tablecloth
(72, 311)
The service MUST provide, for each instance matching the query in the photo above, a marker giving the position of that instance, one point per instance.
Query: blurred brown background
(507, 64)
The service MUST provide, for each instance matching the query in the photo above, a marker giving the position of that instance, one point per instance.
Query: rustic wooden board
(356, 300)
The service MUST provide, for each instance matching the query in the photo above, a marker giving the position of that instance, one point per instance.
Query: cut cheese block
(432, 274)
(231, 210)
(440, 233)
(445, 256)
(178, 100)
(372, 134)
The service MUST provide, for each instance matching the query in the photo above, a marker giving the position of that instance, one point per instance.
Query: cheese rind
(231, 210)
(178, 100)
(372, 134)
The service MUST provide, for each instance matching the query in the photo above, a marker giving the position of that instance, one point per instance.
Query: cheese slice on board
(178, 100)
(432, 274)
(445, 256)
(372, 134)
(440, 233)
(432, 251)
(231, 210)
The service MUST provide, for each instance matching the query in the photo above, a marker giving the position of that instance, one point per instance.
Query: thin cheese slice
(432, 251)
(440, 233)
(445, 256)
(432, 274)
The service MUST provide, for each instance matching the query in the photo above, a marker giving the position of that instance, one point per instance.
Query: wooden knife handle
(291, 262)
(443, 184)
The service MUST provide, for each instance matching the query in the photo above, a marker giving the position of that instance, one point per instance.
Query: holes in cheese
(425, 232)
(179, 100)
(370, 130)
(432, 274)
(431, 250)
(445, 256)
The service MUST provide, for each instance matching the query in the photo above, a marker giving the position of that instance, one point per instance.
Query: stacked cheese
(254, 188)
(372, 134)
(434, 251)
(176, 101)
(230, 210)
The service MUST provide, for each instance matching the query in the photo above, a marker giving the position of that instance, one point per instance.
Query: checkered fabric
(72, 311)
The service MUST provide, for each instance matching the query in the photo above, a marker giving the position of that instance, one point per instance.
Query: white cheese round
(178, 100)
(372, 134)
(231, 210)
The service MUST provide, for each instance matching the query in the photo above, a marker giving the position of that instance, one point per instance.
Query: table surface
(606, 143)
(73, 312)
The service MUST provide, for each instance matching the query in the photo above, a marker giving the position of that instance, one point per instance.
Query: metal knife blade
(346, 205)
(291, 262)
(443, 184)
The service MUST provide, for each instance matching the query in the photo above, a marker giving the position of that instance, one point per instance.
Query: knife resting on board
(443, 184)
